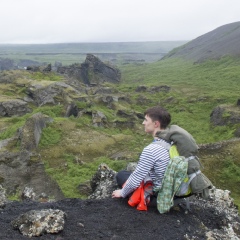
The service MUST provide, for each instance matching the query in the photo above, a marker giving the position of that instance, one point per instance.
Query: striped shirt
(152, 162)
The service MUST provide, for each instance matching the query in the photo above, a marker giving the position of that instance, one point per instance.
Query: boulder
(33, 68)
(103, 182)
(155, 89)
(28, 194)
(38, 222)
(39, 68)
(25, 168)
(30, 133)
(128, 115)
(141, 88)
(42, 95)
(14, 107)
(158, 89)
(142, 100)
(107, 100)
(72, 110)
(99, 119)
(224, 115)
(21, 169)
(92, 72)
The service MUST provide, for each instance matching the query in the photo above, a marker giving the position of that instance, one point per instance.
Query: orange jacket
(141, 196)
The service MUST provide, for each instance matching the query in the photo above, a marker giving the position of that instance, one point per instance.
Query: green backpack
(185, 188)
(188, 149)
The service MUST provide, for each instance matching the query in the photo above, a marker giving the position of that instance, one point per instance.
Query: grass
(51, 111)
(46, 76)
(71, 174)
(182, 75)
(11, 125)
(195, 90)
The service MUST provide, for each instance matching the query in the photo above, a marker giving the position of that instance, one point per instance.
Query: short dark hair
(159, 114)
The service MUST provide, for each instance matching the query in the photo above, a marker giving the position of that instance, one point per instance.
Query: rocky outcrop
(36, 223)
(30, 133)
(103, 182)
(99, 119)
(25, 63)
(225, 114)
(155, 89)
(45, 68)
(14, 107)
(72, 110)
(220, 203)
(53, 93)
(103, 217)
(21, 169)
(24, 168)
(92, 72)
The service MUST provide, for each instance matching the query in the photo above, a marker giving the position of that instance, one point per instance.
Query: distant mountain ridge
(91, 47)
(13, 56)
(222, 41)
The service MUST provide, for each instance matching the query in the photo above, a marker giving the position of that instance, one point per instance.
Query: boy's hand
(116, 193)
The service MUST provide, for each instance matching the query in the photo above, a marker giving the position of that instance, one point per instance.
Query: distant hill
(69, 53)
(222, 41)
(104, 47)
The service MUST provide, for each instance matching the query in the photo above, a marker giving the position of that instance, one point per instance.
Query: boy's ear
(157, 124)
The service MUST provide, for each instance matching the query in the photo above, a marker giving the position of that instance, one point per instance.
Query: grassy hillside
(215, 44)
(195, 90)
(72, 148)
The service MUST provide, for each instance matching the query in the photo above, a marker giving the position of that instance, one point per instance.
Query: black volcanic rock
(92, 72)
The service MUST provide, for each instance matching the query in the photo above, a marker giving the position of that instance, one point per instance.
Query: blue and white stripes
(153, 162)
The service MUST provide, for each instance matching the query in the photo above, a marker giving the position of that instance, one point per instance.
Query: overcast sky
(54, 21)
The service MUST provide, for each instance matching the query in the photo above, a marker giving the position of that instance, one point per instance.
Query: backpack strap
(193, 175)
(194, 158)
(190, 158)
(164, 144)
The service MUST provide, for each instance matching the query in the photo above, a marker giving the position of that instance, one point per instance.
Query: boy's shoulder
(158, 144)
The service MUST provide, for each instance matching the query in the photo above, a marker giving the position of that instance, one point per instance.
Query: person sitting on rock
(153, 160)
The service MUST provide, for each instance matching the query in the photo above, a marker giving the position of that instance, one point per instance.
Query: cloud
(44, 21)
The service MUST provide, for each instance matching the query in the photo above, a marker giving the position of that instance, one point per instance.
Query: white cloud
(40, 21)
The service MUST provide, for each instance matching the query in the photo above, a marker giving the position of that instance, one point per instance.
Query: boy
(153, 160)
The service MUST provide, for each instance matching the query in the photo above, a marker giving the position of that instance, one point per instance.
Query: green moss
(82, 104)
(14, 197)
(51, 111)
(13, 124)
(72, 174)
(50, 135)
(40, 76)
